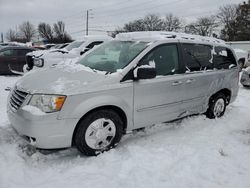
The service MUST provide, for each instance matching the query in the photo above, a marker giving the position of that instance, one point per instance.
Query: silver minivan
(134, 81)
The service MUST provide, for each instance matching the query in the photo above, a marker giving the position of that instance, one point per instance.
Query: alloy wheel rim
(100, 133)
(219, 107)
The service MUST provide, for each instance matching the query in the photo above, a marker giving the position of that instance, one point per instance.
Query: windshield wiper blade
(108, 72)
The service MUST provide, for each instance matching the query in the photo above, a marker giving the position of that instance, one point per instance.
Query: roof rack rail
(161, 35)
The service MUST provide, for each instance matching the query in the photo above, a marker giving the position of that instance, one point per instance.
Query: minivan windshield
(75, 44)
(113, 55)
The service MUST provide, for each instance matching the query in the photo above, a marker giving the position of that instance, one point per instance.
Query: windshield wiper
(108, 72)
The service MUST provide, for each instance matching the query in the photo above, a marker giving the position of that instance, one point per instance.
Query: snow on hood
(65, 79)
(50, 52)
(36, 53)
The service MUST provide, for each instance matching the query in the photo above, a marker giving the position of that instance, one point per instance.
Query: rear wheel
(217, 106)
(99, 131)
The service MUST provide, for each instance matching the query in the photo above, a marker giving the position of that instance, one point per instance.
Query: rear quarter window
(197, 57)
(223, 58)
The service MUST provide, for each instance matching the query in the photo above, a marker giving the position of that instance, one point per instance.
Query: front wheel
(99, 131)
(217, 106)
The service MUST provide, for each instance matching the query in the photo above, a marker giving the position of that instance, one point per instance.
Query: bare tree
(243, 22)
(11, 35)
(59, 29)
(227, 16)
(172, 23)
(152, 22)
(137, 25)
(60, 33)
(203, 26)
(45, 31)
(27, 31)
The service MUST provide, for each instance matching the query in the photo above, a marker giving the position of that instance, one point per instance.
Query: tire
(217, 106)
(99, 131)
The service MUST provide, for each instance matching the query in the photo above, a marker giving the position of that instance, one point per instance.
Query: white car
(46, 58)
(137, 80)
(243, 57)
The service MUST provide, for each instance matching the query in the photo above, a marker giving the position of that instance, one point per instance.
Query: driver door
(159, 99)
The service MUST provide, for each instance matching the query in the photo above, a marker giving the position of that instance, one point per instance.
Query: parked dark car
(13, 57)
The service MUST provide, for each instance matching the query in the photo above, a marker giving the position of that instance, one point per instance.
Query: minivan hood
(51, 52)
(65, 79)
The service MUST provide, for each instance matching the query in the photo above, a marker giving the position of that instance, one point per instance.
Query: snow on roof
(96, 37)
(16, 43)
(163, 35)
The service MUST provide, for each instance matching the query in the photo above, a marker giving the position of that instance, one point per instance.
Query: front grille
(17, 98)
(30, 62)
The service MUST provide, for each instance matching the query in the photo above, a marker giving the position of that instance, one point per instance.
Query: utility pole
(2, 37)
(87, 21)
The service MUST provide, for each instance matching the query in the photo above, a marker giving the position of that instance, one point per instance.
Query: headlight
(48, 103)
(38, 62)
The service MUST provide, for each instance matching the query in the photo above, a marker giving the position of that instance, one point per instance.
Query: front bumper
(47, 131)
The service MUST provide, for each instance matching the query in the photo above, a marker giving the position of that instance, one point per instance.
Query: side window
(91, 45)
(7, 53)
(197, 57)
(22, 52)
(223, 58)
(165, 58)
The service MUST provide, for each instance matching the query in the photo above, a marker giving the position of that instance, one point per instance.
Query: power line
(117, 11)
(142, 8)
(138, 9)
(80, 12)
(127, 7)
(122, 10)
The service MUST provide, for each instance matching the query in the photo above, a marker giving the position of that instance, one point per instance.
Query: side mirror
(144, 73)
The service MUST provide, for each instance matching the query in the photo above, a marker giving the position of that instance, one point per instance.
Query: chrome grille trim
(18, 103)
(20, 93)
(17, 98)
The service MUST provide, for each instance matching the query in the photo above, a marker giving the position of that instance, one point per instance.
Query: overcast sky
(105, 14)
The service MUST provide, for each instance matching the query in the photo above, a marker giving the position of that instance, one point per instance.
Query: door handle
(190, 81)
(176, 83)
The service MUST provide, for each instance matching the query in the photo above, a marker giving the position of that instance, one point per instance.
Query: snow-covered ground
(196, 152)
